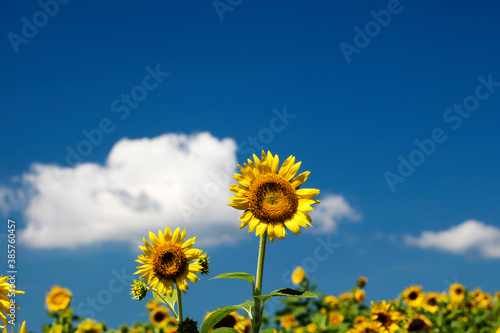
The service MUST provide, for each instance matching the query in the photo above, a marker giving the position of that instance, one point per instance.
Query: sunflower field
(272, 202)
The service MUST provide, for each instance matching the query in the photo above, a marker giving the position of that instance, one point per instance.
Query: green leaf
(219, 314)
(224, 330)
(269, 330)
(287, 292)
(237, 275)
(167, 299)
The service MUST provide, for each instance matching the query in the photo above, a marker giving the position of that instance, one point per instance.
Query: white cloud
(145, 184)
(469, 237)
(173, 180)
(330, 211)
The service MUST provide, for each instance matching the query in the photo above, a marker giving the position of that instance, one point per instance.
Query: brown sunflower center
(413, 295)
(417, 325)
(272, 199)
(169, 261)
(458, 291)
(382, 318)
(227, 321)
(159, 317)
(432, 301)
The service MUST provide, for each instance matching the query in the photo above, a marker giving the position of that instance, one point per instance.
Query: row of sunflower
(273, 202)
(457, 310)
(415, 310)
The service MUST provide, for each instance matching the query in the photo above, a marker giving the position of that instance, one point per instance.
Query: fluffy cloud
(145, 184)
(330, 211)
(469, 237)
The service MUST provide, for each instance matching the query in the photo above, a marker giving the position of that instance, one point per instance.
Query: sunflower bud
(204, 263)
(188, 325)
(362, 281)
(139, 290)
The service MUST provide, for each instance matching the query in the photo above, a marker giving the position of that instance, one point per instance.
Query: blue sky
(117, 115)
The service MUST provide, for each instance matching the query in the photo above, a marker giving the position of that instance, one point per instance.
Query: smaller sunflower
(58, 298)
(419, 323)
(298, 275)
(89, 326)
(231, 320)
(159, 316)
(244, 326)
(288, 321)
(312, 328)
(359, 320)
(362, 281)
(431, 302)
(166, 261)
(152, 304)
(457, 293)
(382, 312)
(413, 296)
(332, 301)
(368, 327)
(359, 296)
(345, 296)
(335, 318)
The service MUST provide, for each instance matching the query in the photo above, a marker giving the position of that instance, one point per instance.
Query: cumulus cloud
(145, 184)
(470, 237)
(327, 215)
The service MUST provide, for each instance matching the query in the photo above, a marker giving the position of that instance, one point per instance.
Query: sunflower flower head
(5, 290)
(359, 296)
(431, 302)
(413, 296)
(21, 330)
(298, 275)
(271, 198)
(419, 323)
(288, 321)
(188, 325)
(159, 316)
(167, 261)
(362, 281)
(457, 293)
(139, 290)
(58, 298)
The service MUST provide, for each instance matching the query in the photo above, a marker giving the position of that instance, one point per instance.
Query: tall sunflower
(271, 198)
(166, 261)
(413, 296)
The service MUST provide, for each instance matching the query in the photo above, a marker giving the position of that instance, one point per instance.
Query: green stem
(257, 314)
(179, 303)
